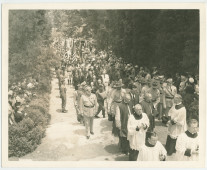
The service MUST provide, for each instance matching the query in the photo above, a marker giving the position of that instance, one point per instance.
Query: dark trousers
(170, 145)
(63, 103)
(133, 154)
(152, 122)
(160, 106)
(124, 144)
(101, 108)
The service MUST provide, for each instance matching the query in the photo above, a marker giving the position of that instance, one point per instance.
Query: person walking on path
(147, 107)
(154, 91)
(162, 97)
(76, 97)
(123, 111)
(170, 92)
(88, 108)
(177, 124)
(63, 95)
(101, 96)
(137, 126)
(187, 145)
(153, 150)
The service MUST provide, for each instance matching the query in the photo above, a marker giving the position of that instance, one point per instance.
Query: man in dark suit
(147, 107)
(123, 110)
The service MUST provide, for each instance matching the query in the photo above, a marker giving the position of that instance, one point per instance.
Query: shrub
(25, 136)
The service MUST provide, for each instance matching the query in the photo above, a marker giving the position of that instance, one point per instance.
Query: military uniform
(63, 96)
(170, 92)
(88, 107)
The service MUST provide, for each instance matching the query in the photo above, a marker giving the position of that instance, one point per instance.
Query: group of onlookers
(19, 96)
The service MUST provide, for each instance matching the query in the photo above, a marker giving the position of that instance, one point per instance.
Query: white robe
(151, 153)
(184, 142)
(137, 138)
(180, 117)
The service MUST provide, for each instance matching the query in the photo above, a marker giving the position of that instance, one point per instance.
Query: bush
(25, 136)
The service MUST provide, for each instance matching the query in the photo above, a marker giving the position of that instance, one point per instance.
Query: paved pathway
(65, 138)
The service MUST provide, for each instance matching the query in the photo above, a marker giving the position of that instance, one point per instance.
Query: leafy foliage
(25, 136)
(30, 53)
(165, 38)
(31, 56)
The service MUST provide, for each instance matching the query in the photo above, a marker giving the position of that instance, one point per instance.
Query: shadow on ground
(122, 158)
(80, 132)
(106, 125)
(76, 123)
(113, 148)
(59, 111)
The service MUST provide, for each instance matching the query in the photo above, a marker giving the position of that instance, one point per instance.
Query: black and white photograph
(119, 85)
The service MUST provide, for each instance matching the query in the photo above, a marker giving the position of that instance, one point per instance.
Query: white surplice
(184, 142)
(147, 153)
(180, 117)
(137, 138)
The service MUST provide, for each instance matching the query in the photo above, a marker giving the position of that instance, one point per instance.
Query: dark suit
(148, 109)
(124, 111)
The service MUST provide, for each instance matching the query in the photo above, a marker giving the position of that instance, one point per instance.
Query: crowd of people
(133, 97)
(19, 96)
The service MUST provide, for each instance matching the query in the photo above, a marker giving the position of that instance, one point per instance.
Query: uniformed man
(170, 91)
(88, 108)
(154, 91)
(63, 95)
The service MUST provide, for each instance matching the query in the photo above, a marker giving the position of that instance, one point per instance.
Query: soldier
(88, 108)
(154, 91)
(170, 91)
(63, 95)
(101, 96)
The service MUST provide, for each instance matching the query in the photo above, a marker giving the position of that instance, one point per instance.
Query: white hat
(191, 80)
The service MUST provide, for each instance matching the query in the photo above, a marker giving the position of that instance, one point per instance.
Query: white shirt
(137, 138)
(105, 78)
(151, 153)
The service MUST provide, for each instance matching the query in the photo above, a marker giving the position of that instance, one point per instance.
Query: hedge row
(25, 136)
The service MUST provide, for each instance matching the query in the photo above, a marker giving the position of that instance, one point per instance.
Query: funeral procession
(103, 85)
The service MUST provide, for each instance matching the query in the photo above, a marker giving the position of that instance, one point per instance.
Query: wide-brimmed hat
(170, 80)
(83, 83)
(131, 86)
(155, 84)
(87, 88)
(118, 84)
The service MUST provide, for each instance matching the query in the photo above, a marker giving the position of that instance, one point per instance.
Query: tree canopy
(165, 38)
(168, 39)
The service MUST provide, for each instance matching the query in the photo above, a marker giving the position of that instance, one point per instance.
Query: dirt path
(65, 138)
